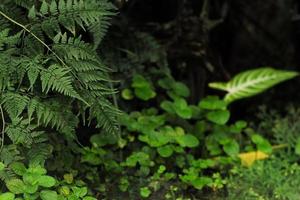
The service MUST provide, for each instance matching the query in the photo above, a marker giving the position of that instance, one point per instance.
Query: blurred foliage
(276, 178)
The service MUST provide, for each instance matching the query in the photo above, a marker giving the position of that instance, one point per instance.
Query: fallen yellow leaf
(249, 157)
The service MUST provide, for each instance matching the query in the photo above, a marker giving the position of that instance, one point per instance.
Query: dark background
(215, 39)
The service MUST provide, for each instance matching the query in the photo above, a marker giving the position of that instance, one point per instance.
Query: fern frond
(25, 3)
(14, 103)
(19, 132)
(6, 39)
(39, 153)
(5, 72)
(57, 69)
(7, 174)
(73, 48)
(93, 76)
(32, 45)
(9, 154)
(83, 65)
(106, 115)
(58, 79)
(68, 13)
(99, 30)
(50, 113)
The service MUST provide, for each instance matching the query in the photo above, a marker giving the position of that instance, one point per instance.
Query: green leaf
(44, 8)
(127, 94)
(297, 148)
(7, 196)
(79, 191)
(31, 196)
(36, 169)
(257, 139)
(187, 141)
(167, 106)
(46, 181)
(31, 189)
(212, 103)
(182, 109)
(261, 143)
(142, 88)
(240, 124)
(200, 182)
(166, 83)
(102, 139)
(231, 148)
(16, 186)
(48, 195)
(18, 167)
(138, 157)
(139, 81)
(165, 151)
(31, 178)
(161, 169)
(64, 190)
(2, 166)
(68, 178)
(145, 192)
(252, 82)
(89, 198)
(265, 147)
(144, 93)
(220, 117)
(181, 89)
(32, 13)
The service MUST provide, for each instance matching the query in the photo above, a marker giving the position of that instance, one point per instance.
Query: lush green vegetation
(90, 112)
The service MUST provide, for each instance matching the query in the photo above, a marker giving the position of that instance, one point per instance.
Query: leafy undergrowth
(275, 178)
(63, 136)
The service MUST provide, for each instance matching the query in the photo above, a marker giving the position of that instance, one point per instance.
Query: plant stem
(3, 129)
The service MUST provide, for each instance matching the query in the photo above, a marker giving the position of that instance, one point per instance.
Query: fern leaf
(49, 114)
(106, 115)
(6, 39)
(14, 104)
(9, 154)
(33, 66)
(39, 153)
(19, 132)
(74, 48)
(68, 13)
(44, 9)
(57, 79)
(25, 3)
(252, 82)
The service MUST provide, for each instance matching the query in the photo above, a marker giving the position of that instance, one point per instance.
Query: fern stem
(36, 37)
(115, 101)
(3, 129)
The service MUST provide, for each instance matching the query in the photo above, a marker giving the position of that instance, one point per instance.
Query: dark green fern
(51, 77)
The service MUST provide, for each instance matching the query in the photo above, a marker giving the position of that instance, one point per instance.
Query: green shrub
(275, 178)
(281, 128)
